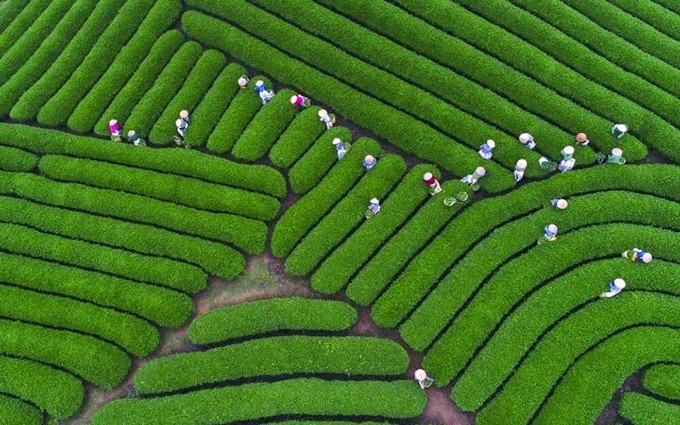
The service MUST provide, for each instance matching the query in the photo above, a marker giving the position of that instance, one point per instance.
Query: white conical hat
(427, 176)
(293, 98)
(619, 283)
(322, 113)
(621, 127)
(337, 141)
(259, 83)
(646, 257)
(183, 114)
(525, 138)
(562, 204)
(617, 152)
(369, 158)
(521, 164)
(420, 375)
(375, 201)
(131, 133)
(113, 122)
(490, 143)
(480, 171)
(568, 150)
(552, 228)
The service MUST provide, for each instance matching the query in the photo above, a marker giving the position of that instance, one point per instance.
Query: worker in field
(423, 380)
(243, 82)
(560, 204)
(486, 150)
(326, 118)
(114, 128)
(340, 147)
(373, 208)
(299, 101)
(527, 140)
(261, 89)
(369, 162)
(134, 138)
(545, 164)
(582, 139)
(473, 178)
(430, 180)
(616, 157)
(615, 288)
(636, 254)
(182, 123)
(520, 167)
(568, 160)
(619, 130)
(550, 232)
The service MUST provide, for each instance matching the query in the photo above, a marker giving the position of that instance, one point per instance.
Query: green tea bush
(644, 410)
(10, 11)
(278, 314)
(15, 411)
(298, 137)
(654, 14)
(12, 159)
(663, 380)
(13, 27)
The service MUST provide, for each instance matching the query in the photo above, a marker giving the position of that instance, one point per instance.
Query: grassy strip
(12, 159)
(345, 216)
(196, 85)
(213, 105)
(283, 355)
(653, 14)
(20, 23)
(337, 268)
(363, 77)
(52, 45)
(378, 273)
(57, 110)
(670, 5)
(397, 127)
(30, 103)
(453, 290)
(517, 334)
(644, 36)
(141, 81)
(265, 128)
(159, 305)
(52, 390)
(313, 166)
(592, 382)
(161, 271)
(182, 190)
(555, 72)
(259, 317)
(15, 411)
(644, 410)
(299, 219)
(11, 9)
(257, 178)
(457, 345)
(150, 108)
(132, 334)
(663, 380)
(215, 258)
(90, 358)
(452, 88)
(399, 399)
(298, 137)
(236, 118)
(483, 217)
(96, 101)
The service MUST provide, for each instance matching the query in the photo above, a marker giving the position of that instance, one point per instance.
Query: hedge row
(49, 50)
(309, 170)
(99, 97)
(213, 257)
(298, 137)
(516, 337)
(299, 397)
(128, 265)
(182, 190)
(123, 26)
(663, 380)
(644, 410)
(279, 314)
(31, 101)
(132, 334)
(213, 105)
(150, 108)
(299, 219)
(557, 75)
(451, 352)
(653, 14)
(12, 31)
(638, 33)
(397, 127)
(486, 256)
(15, 411)
(161, 306)
(236, 118)
(285, 355)
(194, 88)
(345, 216)
(432, 77)
(53, 391)
(592, 382)
(127, 98)
(265, 128)
(10, 11)
(483, 217)
(89, 358)
(669, 4)
(12, 159)
(378, 273)
(338, 267)
(189, 163)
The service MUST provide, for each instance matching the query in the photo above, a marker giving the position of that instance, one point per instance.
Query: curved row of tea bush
(284, 355)
(397, 127)
(134, 335)
(53, 391)
(299, 397)
(94, 360)
(159, 305)
(15, 26)
(345, 216)
(12, 159)
(515, 338)
(279, 314)
(663, 380)
(298, 137)
(644, 410)
(16, 411)
(590, 384)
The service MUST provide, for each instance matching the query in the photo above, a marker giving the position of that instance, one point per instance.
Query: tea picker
(114, 128)
(326, 118)
(520, 167)
(373, 208)
(299, 101)
(423, 380)
(261, 89)
(472, 179)
(134, 138)
(486, 150)
(431, 181)
(243, 82)
(636, 254)
(616, 157)
(560, 204)
(369, 162)
(582, 139)
(568, 160)
(619, 130)
(550, 232)
(340, 147)
(527, 140)
(615, 288)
